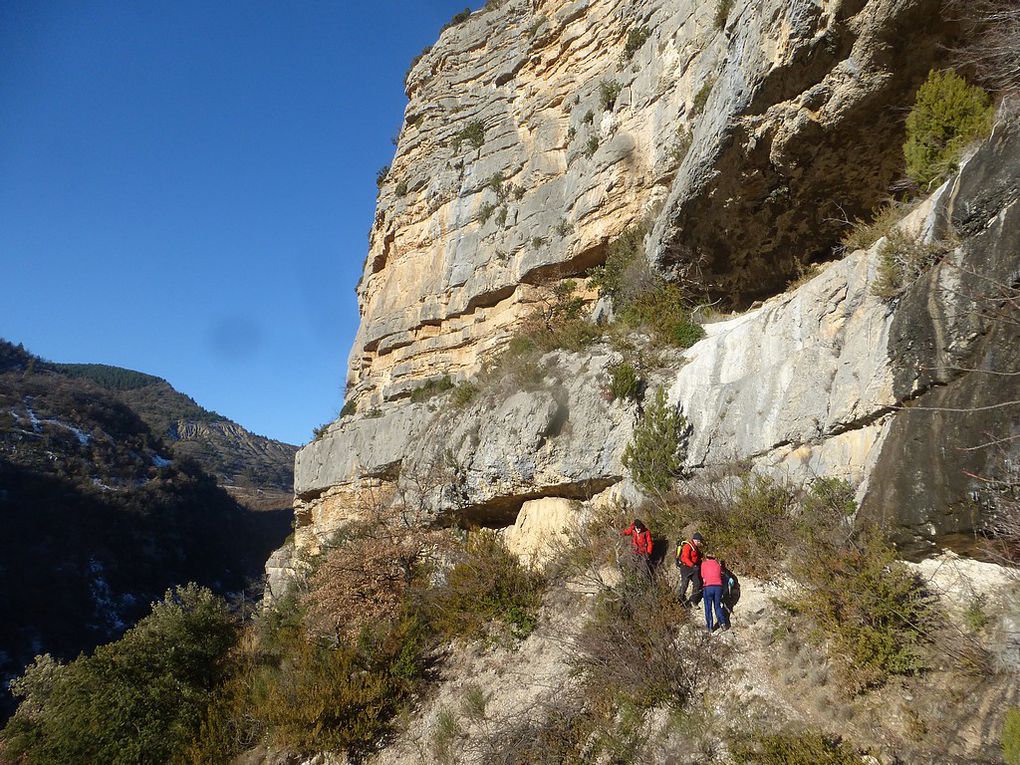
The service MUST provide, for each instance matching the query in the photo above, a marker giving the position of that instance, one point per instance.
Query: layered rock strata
(825, 380)
(539, 130)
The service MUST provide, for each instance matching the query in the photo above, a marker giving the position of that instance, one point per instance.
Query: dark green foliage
(401, 189)
(458, 18)
(380, 176)
(138, 700)
(751, 526)
(1011, 737)
(722, 13)
(431, 388)
(701, 97)
(644, 300)
(808, 748)
(501, 214)
(90, 505)
(591, 146)
(609, 91)
(588, 118)
(473, 133)
(111, 378)
(564, 229)
(463, 394)
(307, 695)
(487, 589)
(654, 454)
(415, 60)
(636, 38)
(485, 212)
(350, 408)
(874, 612)
(624, 381)
(948, 114)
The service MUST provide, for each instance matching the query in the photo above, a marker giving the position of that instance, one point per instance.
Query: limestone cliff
(538, 131)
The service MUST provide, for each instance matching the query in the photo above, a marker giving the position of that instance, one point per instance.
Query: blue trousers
(713, 600)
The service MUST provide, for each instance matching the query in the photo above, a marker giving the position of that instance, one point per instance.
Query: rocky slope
(238, 458)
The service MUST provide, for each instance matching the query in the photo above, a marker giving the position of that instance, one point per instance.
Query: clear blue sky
(186, 188)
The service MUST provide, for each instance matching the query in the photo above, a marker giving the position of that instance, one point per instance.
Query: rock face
(537, 132)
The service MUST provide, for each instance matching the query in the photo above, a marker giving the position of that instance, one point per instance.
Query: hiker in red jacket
(688, 559)
(712, 579)
(640, 543)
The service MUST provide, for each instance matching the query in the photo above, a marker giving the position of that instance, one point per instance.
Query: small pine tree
(654, 454)
(947, 115)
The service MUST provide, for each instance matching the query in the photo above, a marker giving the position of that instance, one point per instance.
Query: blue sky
(186, 188)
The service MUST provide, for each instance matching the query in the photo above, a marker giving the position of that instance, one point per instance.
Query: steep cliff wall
(538, 131)
(512, 172)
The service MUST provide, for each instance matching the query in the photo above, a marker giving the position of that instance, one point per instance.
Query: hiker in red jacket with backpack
(688, 559)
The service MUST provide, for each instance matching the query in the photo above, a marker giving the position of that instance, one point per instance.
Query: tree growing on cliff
(947, 115)
(654, 455)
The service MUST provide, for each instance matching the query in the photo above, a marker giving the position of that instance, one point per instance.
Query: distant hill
(111, 492)
(238, 458)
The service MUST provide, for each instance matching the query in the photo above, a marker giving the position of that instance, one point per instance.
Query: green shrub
(750, 526)
(473, 133)
(682, 145)
(538, 242)
(644, 300)
(495, 184)
(654, 454)
(636, 38)
(722, 13)
(563, 229)
(902, 258)
(485, 212)
(463, 394)
(864, 233)
(701, 97)
(609, 91)
(609, 278)
(624, 381)
(588, 118)
(501, 214)
(138, 700)
(591, 146)
(350, 408)
(948, 114)
(873, 610)
(380, 176)
(808, 748)
(458, 18)
(401, 189)
(415, 60)
(487, 594)
(1011, 737)
(431, 388)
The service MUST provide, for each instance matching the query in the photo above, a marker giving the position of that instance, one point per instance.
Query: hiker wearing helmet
(640, 543)
(712, 579)
(688, 559)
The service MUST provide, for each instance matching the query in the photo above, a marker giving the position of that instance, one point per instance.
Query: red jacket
(711, 573)
(689, 554)
(640, 541)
